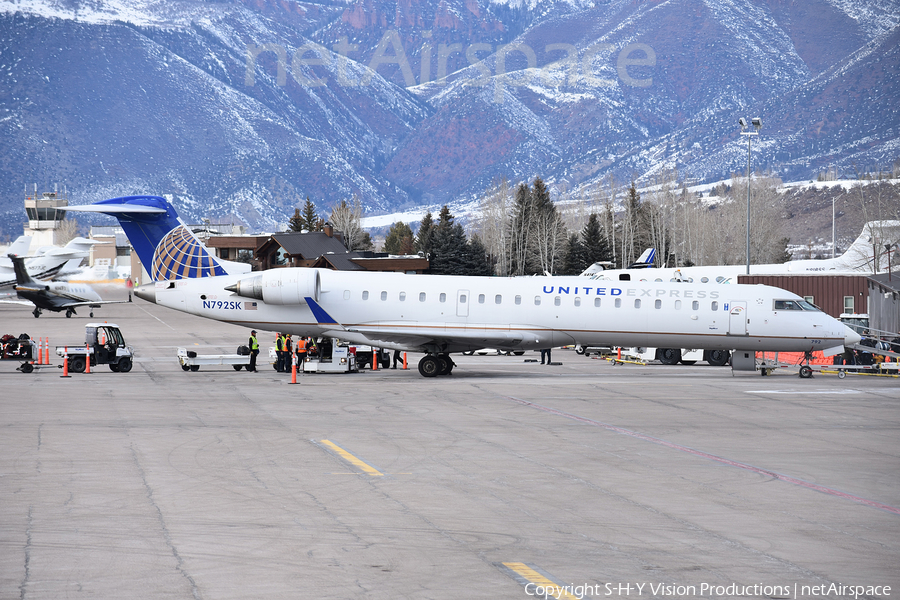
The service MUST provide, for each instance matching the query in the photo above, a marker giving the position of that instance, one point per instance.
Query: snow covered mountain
(245, 108)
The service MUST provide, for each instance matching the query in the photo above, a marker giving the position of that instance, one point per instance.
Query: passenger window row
(557, 300)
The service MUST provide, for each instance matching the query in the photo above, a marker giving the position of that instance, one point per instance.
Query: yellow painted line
(353, 460)
(529, 574)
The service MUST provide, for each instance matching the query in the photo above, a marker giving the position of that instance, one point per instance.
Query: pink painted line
(707, 455)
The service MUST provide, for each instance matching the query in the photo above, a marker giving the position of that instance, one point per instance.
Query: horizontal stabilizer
(117, 209)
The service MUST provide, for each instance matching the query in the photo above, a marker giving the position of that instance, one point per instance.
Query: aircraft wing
(385, 334)
(403, 335)
(5, 299)
(91, 303)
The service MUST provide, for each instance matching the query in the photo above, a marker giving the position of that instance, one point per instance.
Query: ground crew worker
(301, 353)
(288, 348)
(279, 352)
(254, 351)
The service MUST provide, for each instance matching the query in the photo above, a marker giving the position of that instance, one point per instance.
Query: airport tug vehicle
(103, 345)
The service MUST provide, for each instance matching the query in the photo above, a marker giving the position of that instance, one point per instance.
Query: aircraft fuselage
(434, 313)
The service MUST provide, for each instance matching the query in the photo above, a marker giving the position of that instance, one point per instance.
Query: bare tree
(346, 217)
(68, 230)
(493, 225)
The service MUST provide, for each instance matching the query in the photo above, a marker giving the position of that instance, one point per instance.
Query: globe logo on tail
(180, 255)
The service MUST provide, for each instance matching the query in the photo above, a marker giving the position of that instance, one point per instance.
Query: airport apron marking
(526, 574)
(353, 460)
(713, 457)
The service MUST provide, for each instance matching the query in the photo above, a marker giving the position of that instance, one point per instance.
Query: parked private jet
(867, 254)
(56, 296)
(47, 263)
(439, 314)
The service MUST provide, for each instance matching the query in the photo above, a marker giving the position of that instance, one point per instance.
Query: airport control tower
(45, 216)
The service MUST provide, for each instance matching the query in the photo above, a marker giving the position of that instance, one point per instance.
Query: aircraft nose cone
(850, 337)
(146, 292)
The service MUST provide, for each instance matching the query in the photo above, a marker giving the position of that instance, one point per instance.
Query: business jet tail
(645, 260)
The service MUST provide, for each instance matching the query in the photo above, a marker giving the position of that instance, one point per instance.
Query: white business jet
(47, 263)
(869, 253)
(439, 314)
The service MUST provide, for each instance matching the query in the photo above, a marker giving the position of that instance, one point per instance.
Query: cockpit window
(787, 305)
(795, 305)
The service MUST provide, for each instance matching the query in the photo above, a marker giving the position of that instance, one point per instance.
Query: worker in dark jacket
(279, 352)
(254, 351)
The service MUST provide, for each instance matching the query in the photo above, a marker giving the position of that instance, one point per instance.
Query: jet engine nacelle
(280, 286)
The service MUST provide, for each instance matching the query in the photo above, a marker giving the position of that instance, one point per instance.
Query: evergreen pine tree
(594, 243)
(311, 220)
(573, 257)
(398, 238)
(424, 237)
(296, 222)
(479, 263)
(449, 246)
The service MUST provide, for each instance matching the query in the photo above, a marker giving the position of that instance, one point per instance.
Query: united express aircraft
(438, 314)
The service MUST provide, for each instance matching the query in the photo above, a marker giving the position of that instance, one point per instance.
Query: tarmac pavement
(490, 483)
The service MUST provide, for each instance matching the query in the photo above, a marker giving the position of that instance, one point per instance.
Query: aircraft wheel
(124, 365)
(669, 356)
(185, 368)
(429, 366)
(36, 312)
(237, 367)
(77, 364)
(519, 353)
(806, 372)
(92, 314)
(718, 358)
(27, 367)
(446, 364)
(69, 313)
(195, 368)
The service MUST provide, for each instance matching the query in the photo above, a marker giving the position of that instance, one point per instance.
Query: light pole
(757, 123)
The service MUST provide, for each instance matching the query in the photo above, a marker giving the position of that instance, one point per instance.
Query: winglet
(322, 317)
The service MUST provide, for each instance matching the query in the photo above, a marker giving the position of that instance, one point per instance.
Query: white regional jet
(439, 314)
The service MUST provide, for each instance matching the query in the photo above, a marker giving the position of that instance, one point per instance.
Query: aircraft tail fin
(645, 260)
(23, 279)
(869, 249)
(20, 246)
(165, 245)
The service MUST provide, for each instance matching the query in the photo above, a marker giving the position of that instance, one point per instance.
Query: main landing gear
(433, 365)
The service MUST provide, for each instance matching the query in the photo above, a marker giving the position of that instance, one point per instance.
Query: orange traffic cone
(65, 365)
(294, 370)
(87, 359)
